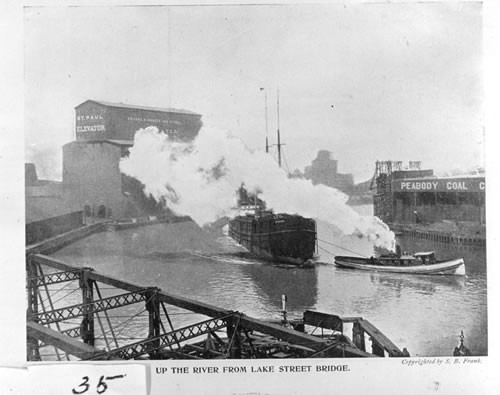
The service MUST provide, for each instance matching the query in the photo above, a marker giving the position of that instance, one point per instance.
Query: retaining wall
(55, 243)
(444, 237)
(44, 229)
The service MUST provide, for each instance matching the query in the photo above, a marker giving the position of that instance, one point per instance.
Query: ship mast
(267, 128)
(278, 124)
(278, 114)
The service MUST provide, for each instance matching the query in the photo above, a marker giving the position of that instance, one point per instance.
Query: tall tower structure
(104, 132)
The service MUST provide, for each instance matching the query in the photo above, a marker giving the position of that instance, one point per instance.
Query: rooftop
(135, 107)
(434, 177)
(120, 143)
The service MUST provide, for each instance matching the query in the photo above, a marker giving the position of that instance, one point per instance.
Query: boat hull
(450, 267)
(277, 237)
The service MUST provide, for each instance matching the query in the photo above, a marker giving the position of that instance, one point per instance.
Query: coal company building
(417, 196)
(104, 132)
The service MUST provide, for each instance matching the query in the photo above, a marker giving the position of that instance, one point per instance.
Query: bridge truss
(71, 316)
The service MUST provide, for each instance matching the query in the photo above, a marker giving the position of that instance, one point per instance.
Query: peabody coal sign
(463, 184)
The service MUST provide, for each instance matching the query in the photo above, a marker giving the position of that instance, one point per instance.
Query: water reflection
(300, 285)
(419, 283)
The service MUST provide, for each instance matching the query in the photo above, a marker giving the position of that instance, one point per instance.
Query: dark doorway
(101, 212)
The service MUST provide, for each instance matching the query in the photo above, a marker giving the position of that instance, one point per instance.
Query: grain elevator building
(104, 132)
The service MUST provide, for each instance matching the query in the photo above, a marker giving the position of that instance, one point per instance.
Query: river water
(425, 314)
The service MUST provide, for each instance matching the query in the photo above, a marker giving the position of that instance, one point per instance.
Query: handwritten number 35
(101, 386)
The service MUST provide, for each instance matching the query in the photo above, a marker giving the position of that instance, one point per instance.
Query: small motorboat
(418, 263)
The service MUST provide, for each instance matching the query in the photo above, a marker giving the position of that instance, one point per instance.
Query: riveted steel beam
(63, 342)
(150, 345)
(79, 310)
(54, 278)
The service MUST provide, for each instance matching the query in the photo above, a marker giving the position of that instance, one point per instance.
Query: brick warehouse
(417, 196)
(104, 132)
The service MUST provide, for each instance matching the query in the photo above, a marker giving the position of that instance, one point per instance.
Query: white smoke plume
(201, 179)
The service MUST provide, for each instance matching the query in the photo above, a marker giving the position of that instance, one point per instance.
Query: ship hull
(276, 237)
(451, 267)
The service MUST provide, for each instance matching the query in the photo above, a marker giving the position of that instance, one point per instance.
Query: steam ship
(287, 238)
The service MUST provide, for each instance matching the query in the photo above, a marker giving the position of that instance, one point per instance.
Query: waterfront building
(103, 134)
(412, 195)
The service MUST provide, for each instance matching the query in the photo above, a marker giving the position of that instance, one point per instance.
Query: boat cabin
(419, 258)
(427, 258)
(393, 260)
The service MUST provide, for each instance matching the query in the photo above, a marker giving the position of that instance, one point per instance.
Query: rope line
(61, 298)
(328, 252)
(342, 248)
(126, 322)
(58, 289)
(286, 162)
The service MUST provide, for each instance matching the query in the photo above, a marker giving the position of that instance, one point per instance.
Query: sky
(365, 81)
